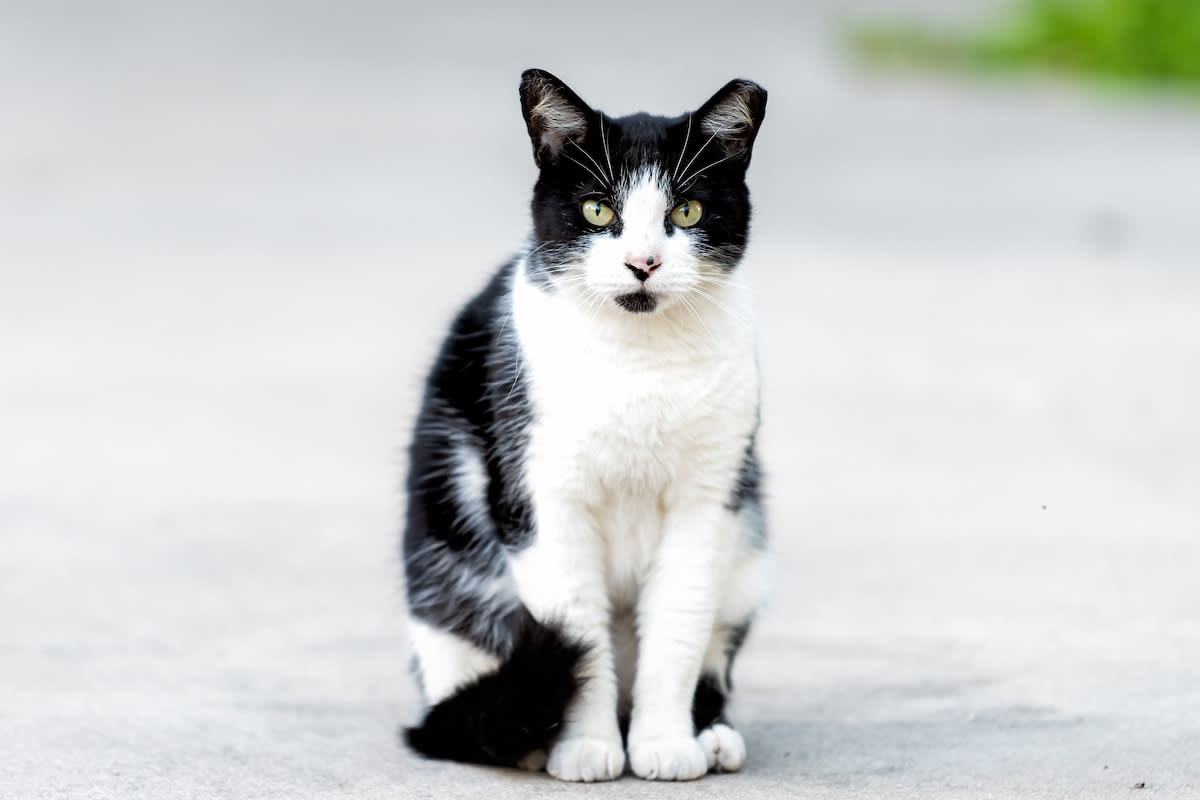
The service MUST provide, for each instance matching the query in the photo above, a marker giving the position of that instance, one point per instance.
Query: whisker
(598, 301)
(687, 181)
(720, 305)
(572, 280)
(604, 143)
(704, 147)
(540, 247)
(686, 138)
(504, 322)
(722, 280)
(681, 335)
(593, 300)
(517, 377)
(589, 155)
(586, 167)
(696, 314)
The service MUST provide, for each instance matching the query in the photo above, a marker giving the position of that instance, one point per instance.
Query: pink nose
(642, 266)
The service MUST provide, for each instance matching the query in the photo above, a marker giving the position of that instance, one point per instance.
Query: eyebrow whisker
(604, 143)
(687, 137)
(705, 147)
(589, 155)
(687, 181)
(602, 181)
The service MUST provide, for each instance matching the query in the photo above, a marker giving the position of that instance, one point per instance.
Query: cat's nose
(642, 266)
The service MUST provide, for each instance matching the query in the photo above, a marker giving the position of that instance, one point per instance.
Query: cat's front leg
(560, 578)
(676, 613)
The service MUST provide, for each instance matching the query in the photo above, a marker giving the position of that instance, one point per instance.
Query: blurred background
(232, 234)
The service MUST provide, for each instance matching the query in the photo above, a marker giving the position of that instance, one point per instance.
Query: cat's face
(639, 212)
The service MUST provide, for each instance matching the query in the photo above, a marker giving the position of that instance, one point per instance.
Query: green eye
(598, 214)
(687, 213)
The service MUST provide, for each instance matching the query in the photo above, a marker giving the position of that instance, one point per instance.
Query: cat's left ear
(732, 117)
(553, 113)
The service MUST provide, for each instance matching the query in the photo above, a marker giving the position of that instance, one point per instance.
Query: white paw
(675, 759)
(533, 761)
(724, 748)
(586, 760)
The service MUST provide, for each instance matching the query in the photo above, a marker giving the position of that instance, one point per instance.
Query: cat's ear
(732, 116)
(553, 113)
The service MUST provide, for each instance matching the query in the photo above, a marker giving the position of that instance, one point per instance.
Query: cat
(584, 545)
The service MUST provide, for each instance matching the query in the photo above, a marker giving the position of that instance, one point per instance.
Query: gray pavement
(230, 236)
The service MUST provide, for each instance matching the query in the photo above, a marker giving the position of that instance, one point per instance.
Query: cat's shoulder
(484, 311)
(461, 369)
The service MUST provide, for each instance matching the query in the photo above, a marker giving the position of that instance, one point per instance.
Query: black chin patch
(637, 302)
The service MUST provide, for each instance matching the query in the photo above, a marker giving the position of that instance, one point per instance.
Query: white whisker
(686, 138)
(687, 181)
(604, 143)
(704, 147)
(723, 280)
(517, 377)
(538, 248)
(720, 305)
(585, 166)
(589, 155)
(696, 314)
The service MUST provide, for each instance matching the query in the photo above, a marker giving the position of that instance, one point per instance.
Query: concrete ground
(230, 235)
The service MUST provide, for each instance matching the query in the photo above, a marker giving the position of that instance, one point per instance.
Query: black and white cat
(584, 546)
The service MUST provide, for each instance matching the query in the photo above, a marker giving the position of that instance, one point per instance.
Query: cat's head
(638, 212)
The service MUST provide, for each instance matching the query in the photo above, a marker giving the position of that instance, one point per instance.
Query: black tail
(504, 716)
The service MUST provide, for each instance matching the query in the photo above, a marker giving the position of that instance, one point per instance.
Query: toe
(724, 748)
(676, 759)
(586, 760)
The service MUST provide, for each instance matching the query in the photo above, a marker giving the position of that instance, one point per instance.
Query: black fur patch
(708, 703)
(748, 487)
(475, 401)
(746, 497)
(504, 716)
(712, 690)
(637, 302)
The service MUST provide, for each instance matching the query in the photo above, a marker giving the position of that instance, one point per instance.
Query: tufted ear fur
(732, 117)
(553, 113)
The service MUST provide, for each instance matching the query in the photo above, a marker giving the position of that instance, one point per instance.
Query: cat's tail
(503, 717)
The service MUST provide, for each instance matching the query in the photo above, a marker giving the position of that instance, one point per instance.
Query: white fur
(471, 485)
(641, 424)
(729, 118)
(557, 120)
(555, 112)
(448, 662)
(729, 121)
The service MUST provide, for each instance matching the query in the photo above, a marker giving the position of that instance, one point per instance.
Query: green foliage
(1142, 41)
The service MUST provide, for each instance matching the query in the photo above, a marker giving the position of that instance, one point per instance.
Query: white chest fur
(636, 414)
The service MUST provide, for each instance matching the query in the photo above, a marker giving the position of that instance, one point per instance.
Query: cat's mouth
(637, 302)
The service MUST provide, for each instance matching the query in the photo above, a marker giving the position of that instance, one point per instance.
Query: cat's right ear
(733, 117)
(553, 113)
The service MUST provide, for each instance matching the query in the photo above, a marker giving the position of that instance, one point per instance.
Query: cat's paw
(586, 760)
(723, 747)
(668, 759)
